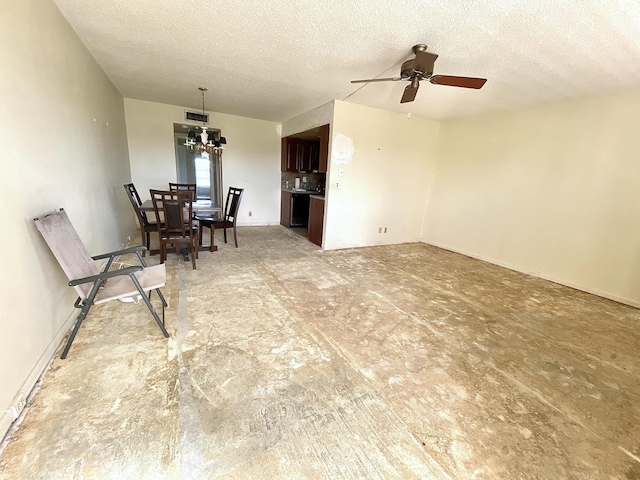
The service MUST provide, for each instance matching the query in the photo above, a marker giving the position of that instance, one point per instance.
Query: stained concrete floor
(286, 362)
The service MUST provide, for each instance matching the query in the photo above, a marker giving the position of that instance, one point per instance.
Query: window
(200, 168)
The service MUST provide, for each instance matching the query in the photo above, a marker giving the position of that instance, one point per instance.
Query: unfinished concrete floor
(402, 361)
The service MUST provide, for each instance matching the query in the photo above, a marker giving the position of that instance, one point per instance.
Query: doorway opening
(203, 169)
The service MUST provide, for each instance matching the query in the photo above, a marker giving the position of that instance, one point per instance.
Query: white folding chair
(95, 287)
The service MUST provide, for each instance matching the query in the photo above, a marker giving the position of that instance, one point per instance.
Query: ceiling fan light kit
(421, 68)
(200, 142)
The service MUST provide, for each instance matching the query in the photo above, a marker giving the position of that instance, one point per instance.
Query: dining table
(209, 207)
(199, 206)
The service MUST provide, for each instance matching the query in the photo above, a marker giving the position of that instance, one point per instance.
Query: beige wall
(552, 190)
(251, 159)
(64, 144)
(317, 117)
(384, 183)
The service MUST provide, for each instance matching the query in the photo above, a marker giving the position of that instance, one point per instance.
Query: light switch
(341, 172)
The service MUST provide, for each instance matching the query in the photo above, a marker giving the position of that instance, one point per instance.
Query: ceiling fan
(421, 68)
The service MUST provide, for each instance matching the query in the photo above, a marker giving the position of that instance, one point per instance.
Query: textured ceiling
(276, 59)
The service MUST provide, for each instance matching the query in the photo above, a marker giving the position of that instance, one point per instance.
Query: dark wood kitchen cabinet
(314, 156)
(300, 155)
(316, 219)
(294, 209)
(304, 156)
(285, 209)
(306, 153)
(289, 154)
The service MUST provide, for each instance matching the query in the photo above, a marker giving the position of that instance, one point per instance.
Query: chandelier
(203, 142)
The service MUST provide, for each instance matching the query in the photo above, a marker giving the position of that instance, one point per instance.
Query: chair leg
(225, 235)
(235, 236)
(195, 247)
(151, 309)
(211, 230)
(81, 317)
(86, 305)
(164, 302)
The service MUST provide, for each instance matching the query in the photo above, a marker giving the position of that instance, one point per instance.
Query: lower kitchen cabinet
(285, 209)
(294, 209)
(316, 218)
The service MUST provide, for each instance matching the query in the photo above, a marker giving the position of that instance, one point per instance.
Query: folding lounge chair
(95, 287)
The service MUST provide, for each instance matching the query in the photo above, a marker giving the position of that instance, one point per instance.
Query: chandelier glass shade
(202, 141)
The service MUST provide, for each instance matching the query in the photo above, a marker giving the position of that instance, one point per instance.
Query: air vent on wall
(196, 117)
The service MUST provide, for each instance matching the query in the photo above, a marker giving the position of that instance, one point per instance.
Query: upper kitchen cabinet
(306, 152)
(289, 155)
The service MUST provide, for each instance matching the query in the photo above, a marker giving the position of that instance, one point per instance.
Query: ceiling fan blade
(424, 61)
(390, 79)
(410, 92)
(466, 82)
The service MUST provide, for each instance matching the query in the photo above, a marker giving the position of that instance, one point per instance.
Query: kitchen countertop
(303, 192)
(319, 197)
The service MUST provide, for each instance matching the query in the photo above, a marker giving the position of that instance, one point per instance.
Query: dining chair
(190, 187)
(182, 186)
(232, 205)
(174, 210)
(93, 285)
(146, 227)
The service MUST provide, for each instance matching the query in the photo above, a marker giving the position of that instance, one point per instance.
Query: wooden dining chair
(232, 205)
(175, 210)
(186, 187)
(146, 227)
(176, 187)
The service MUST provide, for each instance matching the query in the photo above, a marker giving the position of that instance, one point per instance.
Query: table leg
(211, 247)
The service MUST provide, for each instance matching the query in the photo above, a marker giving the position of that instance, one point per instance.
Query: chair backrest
(182, 186)
(234, 195)
(174, 211)
(64, 242)
(134, 198)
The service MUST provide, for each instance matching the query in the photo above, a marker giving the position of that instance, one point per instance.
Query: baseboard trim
(13, 415)
(582, 288)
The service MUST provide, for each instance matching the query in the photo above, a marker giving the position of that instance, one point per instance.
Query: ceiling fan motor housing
(407, 71)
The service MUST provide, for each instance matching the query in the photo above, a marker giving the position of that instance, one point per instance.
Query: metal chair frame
(99, 286)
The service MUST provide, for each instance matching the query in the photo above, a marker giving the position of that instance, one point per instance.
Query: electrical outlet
(338, 185)
(379, 229)
(385, 229)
